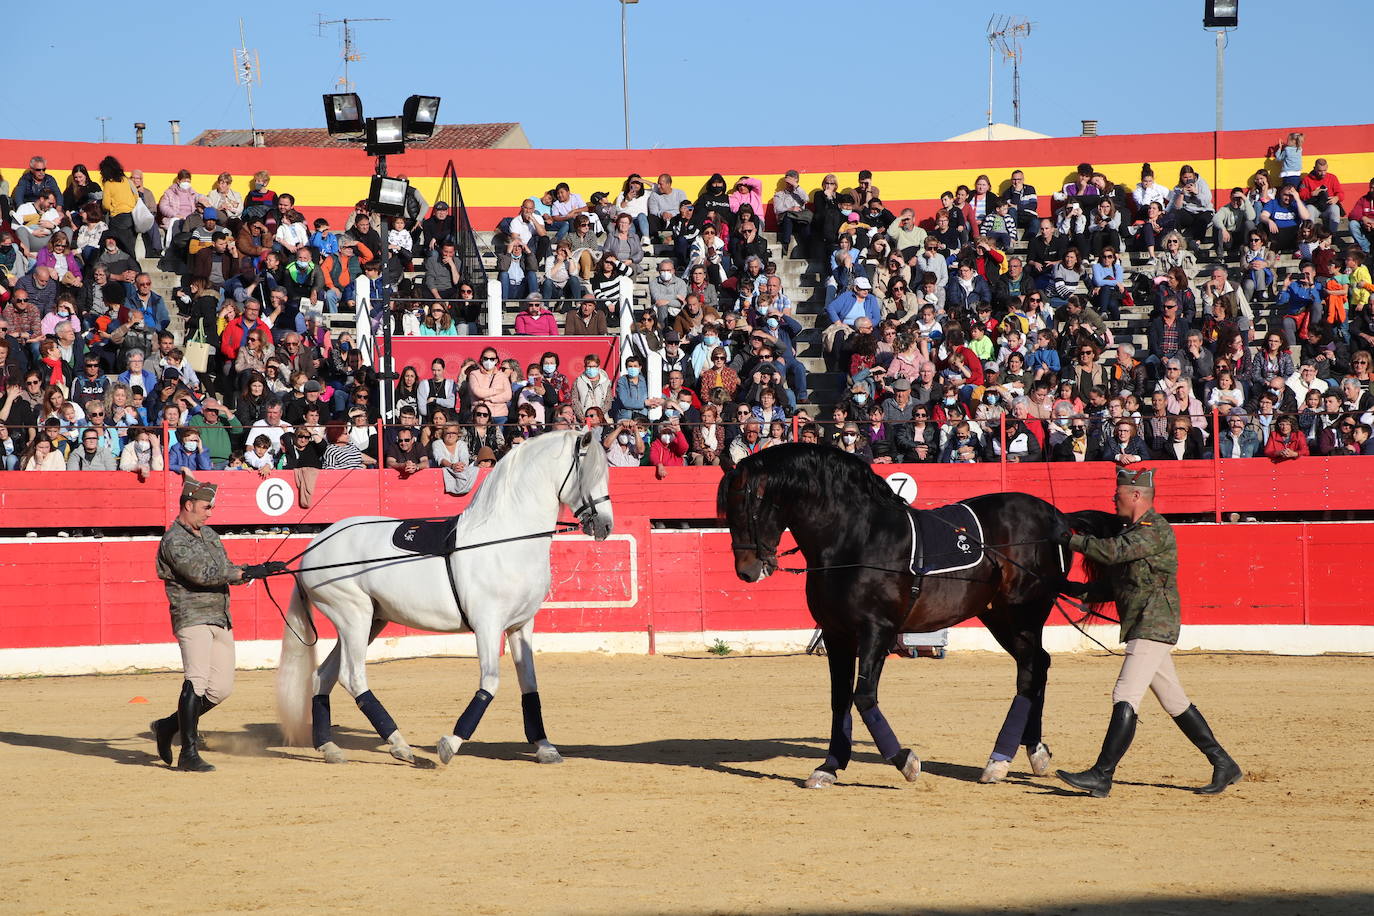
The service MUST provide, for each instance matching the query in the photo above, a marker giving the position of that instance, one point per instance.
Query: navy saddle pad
(435, 537)
(948, 539)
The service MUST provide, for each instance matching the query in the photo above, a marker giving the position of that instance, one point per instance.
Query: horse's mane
(506, 477)
(798, 472)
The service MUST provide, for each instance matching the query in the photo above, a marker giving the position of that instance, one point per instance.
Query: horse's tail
(1097, 524)
(295, 669)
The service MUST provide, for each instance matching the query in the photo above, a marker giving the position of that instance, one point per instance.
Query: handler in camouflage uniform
(1144, 558)
(197, 573)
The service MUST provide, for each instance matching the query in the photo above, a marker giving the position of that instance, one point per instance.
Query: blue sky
(702, 72)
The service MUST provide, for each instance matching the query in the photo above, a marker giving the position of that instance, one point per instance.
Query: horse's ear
(585, 440)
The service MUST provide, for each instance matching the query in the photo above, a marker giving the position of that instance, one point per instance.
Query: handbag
(197, 352)
(142, 216)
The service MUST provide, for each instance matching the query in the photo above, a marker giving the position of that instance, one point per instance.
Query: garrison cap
(194, 489)
(1141, 480)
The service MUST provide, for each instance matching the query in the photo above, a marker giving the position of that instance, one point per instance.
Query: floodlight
(385, 135)
(343, 115)
(388, 195)
(1221, 14)
(421, 114)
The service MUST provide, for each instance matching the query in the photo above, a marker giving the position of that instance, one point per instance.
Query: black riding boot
(1098, 779)
(188, 712)
(1225, 771)
(164, 730)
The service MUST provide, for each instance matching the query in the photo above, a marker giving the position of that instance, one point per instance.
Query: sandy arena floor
(681, 794)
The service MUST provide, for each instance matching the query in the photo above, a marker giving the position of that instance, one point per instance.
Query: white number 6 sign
(275, 496)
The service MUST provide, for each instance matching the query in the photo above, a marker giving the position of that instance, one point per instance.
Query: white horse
(496, 578)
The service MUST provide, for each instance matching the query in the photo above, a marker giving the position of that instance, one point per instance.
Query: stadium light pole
(625, 69)
(1221, 15)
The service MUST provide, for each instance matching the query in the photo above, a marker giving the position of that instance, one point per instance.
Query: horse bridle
(585, 512)
(753, 509)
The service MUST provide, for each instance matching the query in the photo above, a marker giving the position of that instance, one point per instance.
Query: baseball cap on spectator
(902, 384)
(313, 385)
(441, 206)
(1237, 413)
(862, 283)
(170, 374)
(485, 454)
(210, 213)
(672, 337)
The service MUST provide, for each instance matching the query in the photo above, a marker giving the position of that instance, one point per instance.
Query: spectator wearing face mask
(187, 453)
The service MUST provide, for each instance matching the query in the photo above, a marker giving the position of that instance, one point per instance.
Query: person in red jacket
(1321, 191)
(1286, 442)
(669, 449)
(236, 331)
(1362, 219)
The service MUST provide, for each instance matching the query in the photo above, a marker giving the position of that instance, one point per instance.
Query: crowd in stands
(981, 331)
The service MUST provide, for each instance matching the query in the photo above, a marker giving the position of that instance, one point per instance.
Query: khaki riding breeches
(1148, 665)
(207, 657)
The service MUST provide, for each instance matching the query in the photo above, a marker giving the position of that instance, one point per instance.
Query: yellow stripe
(917, 184)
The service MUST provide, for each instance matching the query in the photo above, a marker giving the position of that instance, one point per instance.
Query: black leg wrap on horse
(376, 714)
(467, 722)
(841, 745)
(534, 717)
(882, 733)
(1013, 728)
(321, 729)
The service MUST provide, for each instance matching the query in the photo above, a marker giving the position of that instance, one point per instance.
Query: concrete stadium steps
(804, 283)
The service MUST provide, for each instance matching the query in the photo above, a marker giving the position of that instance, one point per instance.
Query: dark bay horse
(859, 541)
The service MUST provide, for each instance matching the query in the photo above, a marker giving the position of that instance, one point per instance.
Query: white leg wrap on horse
(995, 771)
(821, 779)
(399, 749)
(332, 753)
(544, 752)
(448, 747)
(1040, 759)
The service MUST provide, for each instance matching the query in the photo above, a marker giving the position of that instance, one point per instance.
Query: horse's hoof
(912, 768)
(821, 779)
(995, 771)
(1040, 759)
(402, 753)
(547, 753)
(448, 747)
(332, 753)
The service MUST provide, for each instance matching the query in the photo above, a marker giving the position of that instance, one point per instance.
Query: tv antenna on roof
(351, 54)
(247, 71)
(1005, 34)
(102, 119)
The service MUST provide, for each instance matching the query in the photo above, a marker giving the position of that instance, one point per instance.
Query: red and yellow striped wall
(326, 182)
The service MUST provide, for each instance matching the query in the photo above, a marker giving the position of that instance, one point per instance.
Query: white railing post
(496, 309)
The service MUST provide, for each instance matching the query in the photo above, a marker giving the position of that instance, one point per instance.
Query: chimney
(1089, 127)
(259, 138)
(176, 132)
(139, 128)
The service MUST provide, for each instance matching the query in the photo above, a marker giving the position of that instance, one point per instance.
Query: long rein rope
(588, 505)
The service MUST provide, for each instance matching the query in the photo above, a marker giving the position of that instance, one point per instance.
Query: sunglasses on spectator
(21, 299)
(1347, 426)
(95, 413)
(405, 440)
(302, 435)
(32, 382)
(482, 414)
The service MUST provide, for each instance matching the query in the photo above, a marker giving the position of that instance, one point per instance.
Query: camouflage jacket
(1145, 577)
(197, 573)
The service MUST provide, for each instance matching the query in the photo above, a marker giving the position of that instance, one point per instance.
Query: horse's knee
(865, 701)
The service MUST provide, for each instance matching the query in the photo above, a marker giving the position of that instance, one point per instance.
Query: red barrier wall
(80, 592)
(98, 499)
(91, 593)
